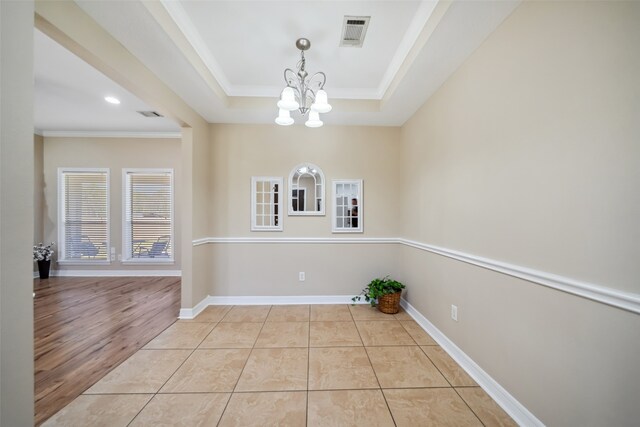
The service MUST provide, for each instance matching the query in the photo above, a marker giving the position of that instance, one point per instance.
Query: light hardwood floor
(84, 327)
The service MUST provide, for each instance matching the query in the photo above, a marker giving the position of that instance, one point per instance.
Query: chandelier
(302, 93)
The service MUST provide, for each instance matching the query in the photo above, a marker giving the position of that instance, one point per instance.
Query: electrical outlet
(119, 257)
(454, 312)
(301, 276)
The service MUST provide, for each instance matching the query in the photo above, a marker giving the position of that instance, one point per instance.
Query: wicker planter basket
(389, 303)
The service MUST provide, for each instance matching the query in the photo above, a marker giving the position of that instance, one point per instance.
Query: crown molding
(417, 34)
(109, 134)
(184, 24)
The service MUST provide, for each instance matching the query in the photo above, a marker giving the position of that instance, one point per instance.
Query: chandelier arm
(320, 82)
(292, 79)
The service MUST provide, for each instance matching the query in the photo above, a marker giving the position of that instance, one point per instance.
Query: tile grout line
(470, 408)
(285, 390)
(451, 385)
(414, 339)
(174, 372)
(374, 372)
(215, 324)
(243, 366)
(116, 366)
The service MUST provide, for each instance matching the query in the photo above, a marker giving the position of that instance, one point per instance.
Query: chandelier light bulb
(314, 120)
(288, 100)
(321, 105)
(284, 118)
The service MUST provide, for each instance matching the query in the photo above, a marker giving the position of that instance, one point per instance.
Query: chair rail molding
(299, 240)
(613, 297)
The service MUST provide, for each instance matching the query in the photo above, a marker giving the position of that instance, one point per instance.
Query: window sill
(148, 262)
(81, 262)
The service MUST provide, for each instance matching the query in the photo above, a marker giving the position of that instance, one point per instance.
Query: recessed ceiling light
(112, 100)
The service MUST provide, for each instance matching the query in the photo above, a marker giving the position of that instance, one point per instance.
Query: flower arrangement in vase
(43, 253)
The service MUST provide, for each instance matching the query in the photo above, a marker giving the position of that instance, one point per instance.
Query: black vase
(43, 268)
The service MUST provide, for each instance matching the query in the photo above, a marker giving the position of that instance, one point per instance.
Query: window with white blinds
(148, 215)
(84, 215)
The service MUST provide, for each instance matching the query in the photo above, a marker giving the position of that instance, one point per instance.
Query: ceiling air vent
(354, 29)
(150, 114)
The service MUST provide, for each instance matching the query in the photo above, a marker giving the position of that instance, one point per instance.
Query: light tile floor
(297, 365)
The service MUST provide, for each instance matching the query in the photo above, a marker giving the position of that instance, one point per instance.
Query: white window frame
(334, 215)
(293, 186)
(272, 179)
(61, 217)
(126, 257)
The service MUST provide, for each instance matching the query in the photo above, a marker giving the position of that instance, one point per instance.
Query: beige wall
(529, 154)
(242, 151)
(271, 269)
(16, 213)
(342, 152)
(115, 154)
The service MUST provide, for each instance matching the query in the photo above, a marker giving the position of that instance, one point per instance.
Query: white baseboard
(115, 273)
(190, 313)
(511, 406)
(282, 300)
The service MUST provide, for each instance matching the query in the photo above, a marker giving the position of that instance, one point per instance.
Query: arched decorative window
(306, 190)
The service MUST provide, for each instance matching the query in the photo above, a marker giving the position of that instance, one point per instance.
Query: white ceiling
(69, 96)
(259, 42)
(244, 47)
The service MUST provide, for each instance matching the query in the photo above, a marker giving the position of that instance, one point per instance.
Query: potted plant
(385, 293)
(42, 254)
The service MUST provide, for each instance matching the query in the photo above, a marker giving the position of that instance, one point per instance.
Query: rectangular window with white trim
(148, 216)
(83, 215)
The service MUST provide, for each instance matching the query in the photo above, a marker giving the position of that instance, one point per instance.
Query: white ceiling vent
(150, 114)
(354, 29)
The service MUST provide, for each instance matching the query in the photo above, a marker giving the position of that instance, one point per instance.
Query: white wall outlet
(454, 312)
(301, 276)
(119, 257)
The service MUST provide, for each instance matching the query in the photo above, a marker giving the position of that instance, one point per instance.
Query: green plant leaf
(379, 287)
